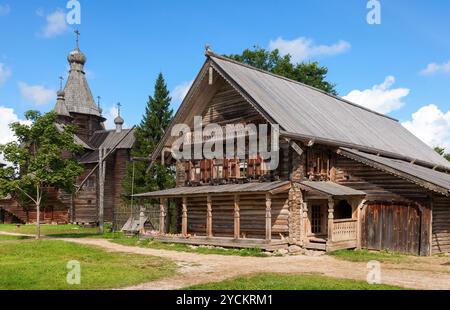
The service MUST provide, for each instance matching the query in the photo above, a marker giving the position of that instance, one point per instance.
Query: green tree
(310, 73)
(441, 151)
(41, 157)
(150, 131)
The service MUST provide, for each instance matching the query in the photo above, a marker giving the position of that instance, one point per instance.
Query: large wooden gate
(394, 227)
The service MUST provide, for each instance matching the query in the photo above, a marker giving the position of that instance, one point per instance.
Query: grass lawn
(366, 255)
(269, 281)
(150, 243)
(59, 231)
(50, 230)
(7, 238)
(75, 231)
(41, 265)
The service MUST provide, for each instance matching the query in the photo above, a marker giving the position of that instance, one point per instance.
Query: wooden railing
(344, 230)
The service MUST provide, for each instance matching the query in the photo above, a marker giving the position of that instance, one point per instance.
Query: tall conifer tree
(150, 131)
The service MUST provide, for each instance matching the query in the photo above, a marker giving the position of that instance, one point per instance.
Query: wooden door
(394, 227)
(318, 219)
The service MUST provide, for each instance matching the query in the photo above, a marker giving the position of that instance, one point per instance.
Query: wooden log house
(348, 177)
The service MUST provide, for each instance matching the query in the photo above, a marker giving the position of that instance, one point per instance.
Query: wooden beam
(305, 221)
(359, 224)
(184, 218)
(162, 215)
(211, 76)
(301, 203)
(268, 217)
(281, 189)
(142, 220)
(330, 219)
(237, 217)
(209, 231)
(101, 176)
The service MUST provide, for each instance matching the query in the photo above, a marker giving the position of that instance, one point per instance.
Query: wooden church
(107, 149)
(348, 177)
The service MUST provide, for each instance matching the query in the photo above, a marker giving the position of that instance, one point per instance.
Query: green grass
(366, 255)
(270, 281)
(50, 230)
(151, 243)
(8, 238)
(41, 265)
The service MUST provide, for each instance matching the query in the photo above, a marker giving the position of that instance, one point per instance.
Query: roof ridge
(211, 54)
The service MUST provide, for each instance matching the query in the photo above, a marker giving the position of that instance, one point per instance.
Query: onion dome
(119, 120)
(77, 56)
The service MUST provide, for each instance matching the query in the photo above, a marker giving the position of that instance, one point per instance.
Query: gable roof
(108, 139)
(302, 109)
(425, 177)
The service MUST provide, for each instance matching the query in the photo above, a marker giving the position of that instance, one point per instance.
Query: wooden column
(237, 217)
(305, 222)
(209, 231)
(268, 217)
(330, 219)
(101, 174)
(142, 220)
(302, 222)
(162, 215)
(359, 224)
(184, 218)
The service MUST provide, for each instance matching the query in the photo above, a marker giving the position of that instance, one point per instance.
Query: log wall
(387, 189)
(441, 224)
(252, 216)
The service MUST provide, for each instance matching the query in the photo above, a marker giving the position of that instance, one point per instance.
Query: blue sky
(129, 42)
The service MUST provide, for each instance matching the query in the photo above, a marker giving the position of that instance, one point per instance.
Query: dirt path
(419, 273)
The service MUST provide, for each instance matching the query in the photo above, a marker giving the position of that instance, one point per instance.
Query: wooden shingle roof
(220, 189)
(422, 176)
(78, 95)
(302, 109)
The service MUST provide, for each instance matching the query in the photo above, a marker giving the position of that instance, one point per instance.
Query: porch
(330, 216)
(322, 216)
(251, 215)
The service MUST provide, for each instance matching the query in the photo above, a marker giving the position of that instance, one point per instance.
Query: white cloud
(56, 24)
(302, 49)
(381, 98)
(37, 94)
(434, 68)
(5, 72)
(4, 9)
(8, 116)
(431, 125)
(180, 91)
(110, 115)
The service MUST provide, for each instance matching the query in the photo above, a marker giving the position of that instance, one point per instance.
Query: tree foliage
(310, 73)
(441, 151)
(41, 157)
(150, 131)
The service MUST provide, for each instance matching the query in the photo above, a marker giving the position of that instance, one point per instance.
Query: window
(90, 183)
(316, 219)
(343, 210)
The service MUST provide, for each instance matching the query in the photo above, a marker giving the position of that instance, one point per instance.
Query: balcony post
(209, 231)
(330, 219)
(184, 219)
(237, 217)
(268, 217)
